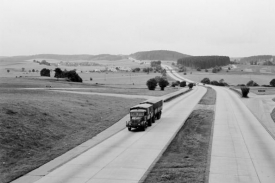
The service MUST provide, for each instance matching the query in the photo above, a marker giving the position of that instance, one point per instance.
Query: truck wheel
(143, 128)
(159, 115)
(154, 119)
(129, 128)
(150, 122)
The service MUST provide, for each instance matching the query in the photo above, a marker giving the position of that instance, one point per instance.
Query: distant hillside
(65, 57)
(158, 55)
(257, 58)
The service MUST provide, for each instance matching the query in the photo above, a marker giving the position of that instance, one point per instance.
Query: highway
(127, 155)
(242, 149)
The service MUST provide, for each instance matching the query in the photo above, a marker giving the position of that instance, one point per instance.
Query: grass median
(187, 157)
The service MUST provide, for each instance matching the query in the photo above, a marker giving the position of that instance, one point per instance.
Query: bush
(152, 84)
(205, 81)
(190, 85)
(206, 70)
(178, 82)
(245, 91)
(174, 84)
(198, 69)
(163, 83)
(58, 73)
(72, 76)
(252, 83)
(45, 72)
(216, 83)
(272, 82)
(183, 84)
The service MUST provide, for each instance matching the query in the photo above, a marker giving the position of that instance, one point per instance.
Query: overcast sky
(196, 27)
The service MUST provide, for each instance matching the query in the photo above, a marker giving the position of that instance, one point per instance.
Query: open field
(36, 126)
(16, 66)
(186, 158)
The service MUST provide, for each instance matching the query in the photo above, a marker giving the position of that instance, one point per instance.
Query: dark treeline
(204, 62)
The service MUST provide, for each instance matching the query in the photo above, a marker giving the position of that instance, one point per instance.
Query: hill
(64, 57)
(257, 58)
(158, 55)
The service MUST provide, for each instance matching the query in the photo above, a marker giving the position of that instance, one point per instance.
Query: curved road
(127, 156)
(242, 149)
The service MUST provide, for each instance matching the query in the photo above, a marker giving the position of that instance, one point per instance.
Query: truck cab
(140, 116)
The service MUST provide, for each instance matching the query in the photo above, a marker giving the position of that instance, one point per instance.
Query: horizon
(70, 27)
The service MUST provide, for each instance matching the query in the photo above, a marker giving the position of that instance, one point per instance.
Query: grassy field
(37, 126)
(186, 158)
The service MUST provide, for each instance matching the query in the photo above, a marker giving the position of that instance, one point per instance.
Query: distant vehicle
(141, 116)
(157, 107)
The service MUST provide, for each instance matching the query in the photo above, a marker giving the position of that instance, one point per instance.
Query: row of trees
(153, 82)
(204, 62)
(214, 82)
(71, 75)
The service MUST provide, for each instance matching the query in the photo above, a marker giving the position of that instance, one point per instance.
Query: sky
(234, 28)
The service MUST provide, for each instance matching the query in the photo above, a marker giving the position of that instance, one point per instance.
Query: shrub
(252, 83)
(58, 73)
(216, 83)
(205, 81)
(152, 84)
(45, 72)
(206, 70)
(178, 82)
(190, 85)
(198, 69)
(174, 84)
(272, 82)
(163, 83)
(184, 73)
(245, 91)
(183, 84)
(72, 76)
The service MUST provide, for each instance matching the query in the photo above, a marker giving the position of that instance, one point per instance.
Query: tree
(45, 72)
(190, 85)
(151, 84)
(216, 83)
(8, 70)
(33, 70)
(205, 81)
(58, 73)
(272, 82)
(183, 84)
(252, 83)
(163, 83)
(72, 76)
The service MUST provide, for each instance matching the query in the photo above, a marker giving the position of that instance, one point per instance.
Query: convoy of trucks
(144, 114)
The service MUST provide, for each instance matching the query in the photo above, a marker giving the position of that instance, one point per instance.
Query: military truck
(157, 107)
(141, 116)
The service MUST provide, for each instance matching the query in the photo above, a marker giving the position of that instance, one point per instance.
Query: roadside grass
(37, 126)
(187, 157)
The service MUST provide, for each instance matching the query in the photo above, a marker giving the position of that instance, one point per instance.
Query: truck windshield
(137, 114)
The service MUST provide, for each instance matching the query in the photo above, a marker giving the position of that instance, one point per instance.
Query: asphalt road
(127, 155)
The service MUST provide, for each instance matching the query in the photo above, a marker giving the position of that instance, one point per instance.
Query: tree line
(204, 62)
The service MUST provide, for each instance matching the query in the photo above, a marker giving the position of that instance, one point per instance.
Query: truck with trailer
(141, 116)
(157, 107)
